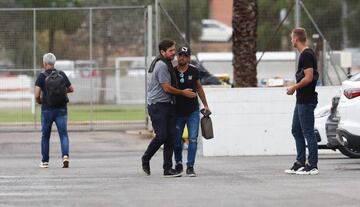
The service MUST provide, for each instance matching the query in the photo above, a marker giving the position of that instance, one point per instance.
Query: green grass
(79, 113)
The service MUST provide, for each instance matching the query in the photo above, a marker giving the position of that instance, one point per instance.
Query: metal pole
(187, 21)
(157, 22)
(297, 25)
(148, 52)
(34, 64)
(149, 34)
(297, 13)
(91, 78)
(324, 63)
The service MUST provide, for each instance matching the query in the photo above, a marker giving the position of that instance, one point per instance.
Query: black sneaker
(308, 170)
(190, 172)
(145, 166)
(295, 168)
(171, 173)
(179, 168)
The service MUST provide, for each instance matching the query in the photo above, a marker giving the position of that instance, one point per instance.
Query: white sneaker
(65, 161)
(44, 164)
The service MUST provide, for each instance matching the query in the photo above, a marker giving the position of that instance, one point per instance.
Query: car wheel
(350, 152)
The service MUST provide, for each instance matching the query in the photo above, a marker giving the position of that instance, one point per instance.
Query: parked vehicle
(342, 125)
(68, 66)
(215, 31)
(206, 78)
(87, 68)
(348, 131)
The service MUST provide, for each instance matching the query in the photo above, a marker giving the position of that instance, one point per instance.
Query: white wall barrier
(254, 121)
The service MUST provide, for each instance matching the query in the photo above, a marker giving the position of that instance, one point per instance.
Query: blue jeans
(303, 128)
(59, 116)
(192, 122)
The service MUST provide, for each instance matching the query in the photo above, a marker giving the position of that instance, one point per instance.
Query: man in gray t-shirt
(159, 76)
(161, 87)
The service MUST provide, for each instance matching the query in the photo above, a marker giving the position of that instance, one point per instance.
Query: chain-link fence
(329, 23)
(93, 46)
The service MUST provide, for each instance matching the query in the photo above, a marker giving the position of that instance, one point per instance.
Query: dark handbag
(206, 125)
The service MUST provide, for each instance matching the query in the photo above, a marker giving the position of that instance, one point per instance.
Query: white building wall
(254, 121)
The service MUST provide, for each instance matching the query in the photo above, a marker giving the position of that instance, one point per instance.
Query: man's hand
(188, 93)
(291, 90)
(206, 108)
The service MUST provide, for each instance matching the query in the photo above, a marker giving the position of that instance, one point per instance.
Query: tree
(69, 22)
(244, 42)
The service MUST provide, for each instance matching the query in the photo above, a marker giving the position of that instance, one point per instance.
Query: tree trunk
(244, 42)
(51, 39)
(103, 73)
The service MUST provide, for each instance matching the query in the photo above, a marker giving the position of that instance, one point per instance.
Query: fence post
(157, 22)
(149, 56)
(324, 63)
(34, 67)
(91, 78)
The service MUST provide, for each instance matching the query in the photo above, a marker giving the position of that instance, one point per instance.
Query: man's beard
(182, 64)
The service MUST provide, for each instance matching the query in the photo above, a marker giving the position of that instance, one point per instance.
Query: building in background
(221, 10)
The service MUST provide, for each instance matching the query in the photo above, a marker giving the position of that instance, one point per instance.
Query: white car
(348, 131)
(321, 116)
(215, 31)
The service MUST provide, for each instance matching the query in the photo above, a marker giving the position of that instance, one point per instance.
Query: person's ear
(162, 52)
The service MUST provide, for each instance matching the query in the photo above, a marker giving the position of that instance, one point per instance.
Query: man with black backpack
(51, 91)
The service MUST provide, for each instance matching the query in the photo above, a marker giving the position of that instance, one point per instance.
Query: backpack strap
(48, 74)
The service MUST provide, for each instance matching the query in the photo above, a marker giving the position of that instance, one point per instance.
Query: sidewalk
(105, 170)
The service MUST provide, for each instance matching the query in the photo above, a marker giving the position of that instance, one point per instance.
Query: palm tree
(244, 23)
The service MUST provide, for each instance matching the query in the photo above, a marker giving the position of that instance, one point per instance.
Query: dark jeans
(163, 121)
(59, 116)
(192, 123)
(303, 128)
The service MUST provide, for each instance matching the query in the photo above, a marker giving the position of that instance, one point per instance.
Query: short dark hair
(166, 44)
(300, 33)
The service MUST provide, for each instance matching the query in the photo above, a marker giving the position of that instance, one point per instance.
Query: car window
(210, 25)
(355, 77)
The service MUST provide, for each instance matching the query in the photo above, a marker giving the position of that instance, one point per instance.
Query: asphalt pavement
(105, 170)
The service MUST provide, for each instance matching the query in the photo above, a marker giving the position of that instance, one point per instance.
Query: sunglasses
(182, 79)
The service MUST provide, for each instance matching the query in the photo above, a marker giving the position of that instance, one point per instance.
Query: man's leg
(159, 122)
(178, 147)
(193, 128)
(307, 121)
(61, 124)
(299, 137)
(46, 123)
(170, 137)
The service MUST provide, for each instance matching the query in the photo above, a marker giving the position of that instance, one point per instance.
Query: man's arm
(304, 82)
(202, 96)
(38, 94)
(70, 89)
(169, 89)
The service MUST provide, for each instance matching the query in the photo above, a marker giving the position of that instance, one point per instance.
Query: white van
(68, 66)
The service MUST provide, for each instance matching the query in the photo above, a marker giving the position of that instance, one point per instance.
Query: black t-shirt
(307, 94)
(40, 82)
(185, 106)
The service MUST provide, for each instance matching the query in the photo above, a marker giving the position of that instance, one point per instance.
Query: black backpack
(56, 89)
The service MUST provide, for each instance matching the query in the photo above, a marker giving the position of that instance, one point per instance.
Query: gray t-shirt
(155, 92)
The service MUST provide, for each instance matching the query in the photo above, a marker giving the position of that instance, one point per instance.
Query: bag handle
(205, 112)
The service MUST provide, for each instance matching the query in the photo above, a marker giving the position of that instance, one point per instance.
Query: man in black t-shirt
(306, 101)
(50, 114)
(187, 110)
